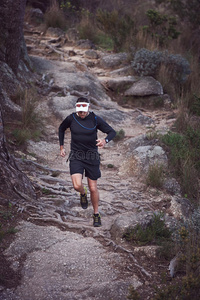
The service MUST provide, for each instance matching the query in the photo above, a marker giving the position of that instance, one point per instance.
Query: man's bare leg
(94, 194)
(77, 183)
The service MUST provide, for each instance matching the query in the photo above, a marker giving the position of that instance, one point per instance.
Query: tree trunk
(13, 182)
(11, 178)
(11, 21)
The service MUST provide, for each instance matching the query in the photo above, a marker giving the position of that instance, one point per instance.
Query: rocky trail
(57, 251)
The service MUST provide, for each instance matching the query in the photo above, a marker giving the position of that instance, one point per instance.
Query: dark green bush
(184, 153)
(152, 233)
(162, 27)
(146, 63)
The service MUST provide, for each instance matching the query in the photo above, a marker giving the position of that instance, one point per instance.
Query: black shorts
(91, 171)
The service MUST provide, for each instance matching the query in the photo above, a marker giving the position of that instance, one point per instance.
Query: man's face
(82, 109)
(82, 114)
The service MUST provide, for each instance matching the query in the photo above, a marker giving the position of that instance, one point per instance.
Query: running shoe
(83, 199)
(96, 220)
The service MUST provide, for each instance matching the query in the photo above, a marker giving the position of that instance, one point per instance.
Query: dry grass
(54, 16)
(144, 40)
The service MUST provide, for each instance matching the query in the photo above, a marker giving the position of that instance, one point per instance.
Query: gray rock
(120, 83)
(63, 265)
(149, 155)
(91, 54)
(85, 44)
(180, 207)
(125, 71)
(113, 60)
(114, 116)
(36, 15)
(126, 220)
(145, 86)
(144, 120)
(136, 142)
(172, 186)
(55, 32)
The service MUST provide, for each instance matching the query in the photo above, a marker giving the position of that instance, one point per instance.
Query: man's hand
(62, 152)
(100, 143)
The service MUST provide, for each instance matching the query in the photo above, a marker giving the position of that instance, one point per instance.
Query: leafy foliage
(184, 152)
(162, 27)
(195, 106)
(118, 27)
(188, 10)
(146, 62)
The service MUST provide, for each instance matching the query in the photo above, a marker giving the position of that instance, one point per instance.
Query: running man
(84, 156)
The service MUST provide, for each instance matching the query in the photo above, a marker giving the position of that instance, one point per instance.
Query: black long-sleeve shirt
(84, 136)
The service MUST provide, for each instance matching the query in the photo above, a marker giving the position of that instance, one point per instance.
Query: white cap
(82, 108)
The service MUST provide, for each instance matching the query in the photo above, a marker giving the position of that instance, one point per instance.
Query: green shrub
(87, 27)
(152, 233)
(195, 105)
(146, 62)
(119, 135)
(117, 26)
(28, 102)
(31, 121)
(104, 41)
(178, 148)
(110, 166)
(187, 289)
(162, 27)
(6, 215)
(21, 135)
(184, 152)
(155, 176)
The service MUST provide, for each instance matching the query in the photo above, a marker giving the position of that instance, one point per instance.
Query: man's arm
(63, 126)
(105, 128)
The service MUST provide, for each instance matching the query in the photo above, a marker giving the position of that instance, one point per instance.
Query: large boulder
(150, 155)
(113, 60)
(136, 142)
(129, 219)
(36, 15)
(119, 83)
(85, 44)
(145, 86)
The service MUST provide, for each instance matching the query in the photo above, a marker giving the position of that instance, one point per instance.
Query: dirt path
(65, 257)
